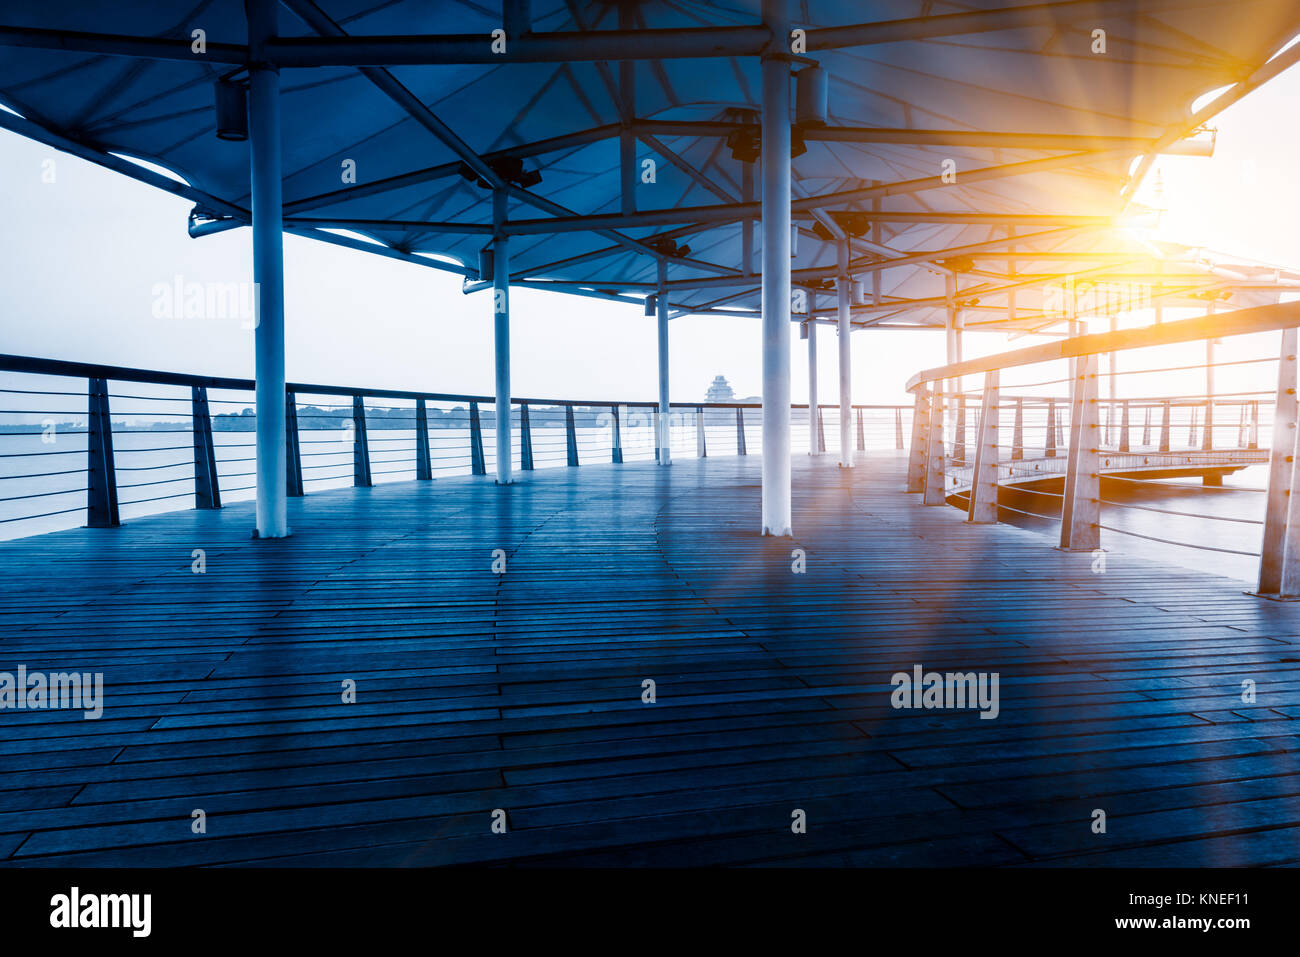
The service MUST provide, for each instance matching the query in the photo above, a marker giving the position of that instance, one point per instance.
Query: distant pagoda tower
(720, 391)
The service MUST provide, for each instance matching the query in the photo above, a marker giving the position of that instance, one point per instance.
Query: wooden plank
(523, 691)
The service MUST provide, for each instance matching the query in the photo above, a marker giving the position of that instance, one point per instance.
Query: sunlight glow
(1284, 47)
(439, 257)
(153, 168)
(349, 234)
(1205, 99)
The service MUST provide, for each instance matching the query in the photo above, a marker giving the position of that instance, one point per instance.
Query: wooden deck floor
(522, 691)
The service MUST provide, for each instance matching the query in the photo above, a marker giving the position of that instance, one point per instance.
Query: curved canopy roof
(1045, 123)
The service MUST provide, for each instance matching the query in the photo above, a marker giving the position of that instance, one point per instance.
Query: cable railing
(90, 444)
(1173, 467)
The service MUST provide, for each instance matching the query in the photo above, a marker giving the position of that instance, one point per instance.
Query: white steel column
(1207, 435)
(776, 274)
(953, 337)
(268, 275)
(1280, 468)
(812, 380)
(1112, 366)
(844, 290)
(664, 432)
(501, 334)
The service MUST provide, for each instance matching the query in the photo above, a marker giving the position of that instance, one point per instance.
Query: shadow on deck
(477, 691)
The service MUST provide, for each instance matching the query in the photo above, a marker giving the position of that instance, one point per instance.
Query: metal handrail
(972, 464)
(91, 370)
(1283, 315)
(364, 421)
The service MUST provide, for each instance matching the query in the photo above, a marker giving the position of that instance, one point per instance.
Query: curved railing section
(82, 443)
(1101, 433)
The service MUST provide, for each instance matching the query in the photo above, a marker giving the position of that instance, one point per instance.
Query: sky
(82, 260)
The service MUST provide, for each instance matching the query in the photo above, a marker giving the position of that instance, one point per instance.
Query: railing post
(101, 492)
(360, 445)
(423, 465)
(1146, 427)
(1049, 447)
(916, 455)
(1241, 426)
(570, 434)
(821, 432)
(1280, 471)
(1081, 508)
(1191, 428)
(862, 435)
(616, 443)
(898, 428)
(1254, 425)
(292, 448)
(1207, 433)
(701, 446)
(1018, 431)
(983, 506)
(525, 439)
(935, 493)
(740, 431)
(1124, 427)
(476, 464)
(207, 489)
(1165, 426)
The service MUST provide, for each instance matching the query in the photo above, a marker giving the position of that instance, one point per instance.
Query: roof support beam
(633, 244)
(661, 217)
(570, 46)
(565, 46)
(319, 21)
(552, 47)
(1059, 15)
(909, 137)
(977, 292)
(649, 130)
(386, 82)
(109, 44)
(734, 212)
(330, 222)
(429, 174)
(93, 154)
(868, 266)
(348, 242)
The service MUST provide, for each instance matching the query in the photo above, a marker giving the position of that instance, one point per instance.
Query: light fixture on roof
(744, 144)
(797, 147)
(509, 168)
(812, 86)
(232, 109)
(668, 247)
